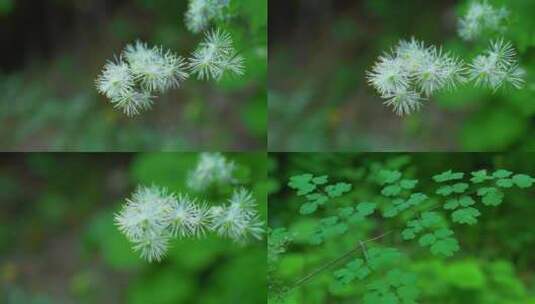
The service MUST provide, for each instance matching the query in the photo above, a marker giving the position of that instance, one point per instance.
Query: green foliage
(388, 214)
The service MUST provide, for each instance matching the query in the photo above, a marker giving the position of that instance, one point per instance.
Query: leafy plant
(424, 217)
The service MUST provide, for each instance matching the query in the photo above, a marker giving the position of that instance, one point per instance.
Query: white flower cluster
(413, 72)
(131, 81)
(215, 56)
(481, 17)
(152, 217)
(202, 12)
(497, 66)
(140, 72)
(212, 168)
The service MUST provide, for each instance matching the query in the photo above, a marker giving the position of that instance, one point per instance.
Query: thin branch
(312, 274)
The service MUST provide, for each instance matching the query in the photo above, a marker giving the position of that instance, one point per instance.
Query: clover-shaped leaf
(505, 183)
(366, 208)
(490, 196)
(308, 208)
(479, 176)
(451, 204)
(466, 201)
(391, 190)
(465, 216)
(302, 183)
(427, 239)
(338, 189)
(448, 176)
(445, 247)
(388, 177)
(501, 173)
(523, 180)
(416, 199)
(408, 183)
(320, 180)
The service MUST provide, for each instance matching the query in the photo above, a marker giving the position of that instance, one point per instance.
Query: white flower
(187, 218)
(403, 101)
(237, 220)
(147, 212)
(480, 17)
(156, 70)
(413, 70)
(201, 12)
(133, 102)
(152, 246)
(389, 75)
(129, 83)
(212, 168)
(215, 56)
(496, 66)
(153, 216)
(116, 80)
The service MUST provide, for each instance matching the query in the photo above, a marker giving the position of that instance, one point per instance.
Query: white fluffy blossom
(497, 66)
(155, 69)
(215, 56)
(140, 72)
(153, 216)
(412, 71)
(238, 219)
(212, 168)
(116, 80)
(481, 17)
(187, 218)
(201, 13)
(144, 220)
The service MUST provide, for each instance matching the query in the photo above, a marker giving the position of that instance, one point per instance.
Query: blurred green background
(59, 245)
(495, 264)
(319, 99)
(53, 50)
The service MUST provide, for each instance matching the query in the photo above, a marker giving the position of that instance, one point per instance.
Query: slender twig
(312, 274)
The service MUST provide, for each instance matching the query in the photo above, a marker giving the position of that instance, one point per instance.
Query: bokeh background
(59, 245)
(319, 99)
(495, 264)
(51, 52)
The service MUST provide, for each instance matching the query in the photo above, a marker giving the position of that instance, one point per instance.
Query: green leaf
(320, 180)
(408, 234)
(523, 180)
(443, 233)
(390, 211)
(338, 189)
(448, 176)
(317, 198)
(465, 216)
(345, 212)
(504, 183)
(366, 208)
(408, 183)
(492, 197)
(427, 239)
(416, 199)
(501, 173)
(429, 219)
(445, 247)
(459, 187)
(391, 190)
(388, 177)
(351, 271)
(479, 176)
(302, 183)
(444, 190)
(308, 208)
(451, 204)
(466, 201)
